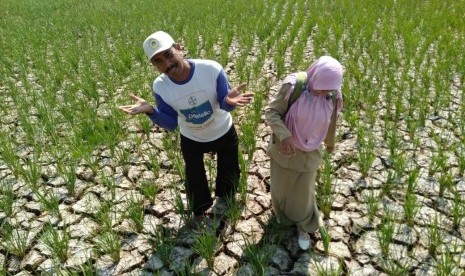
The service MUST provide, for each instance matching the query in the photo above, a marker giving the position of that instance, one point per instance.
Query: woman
(296, 144)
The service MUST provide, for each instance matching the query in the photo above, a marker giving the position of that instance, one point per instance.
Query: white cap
(156, 43)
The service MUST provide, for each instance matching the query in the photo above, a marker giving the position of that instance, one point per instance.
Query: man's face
(169, 61)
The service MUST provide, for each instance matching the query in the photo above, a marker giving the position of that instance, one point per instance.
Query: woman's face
(323, 92)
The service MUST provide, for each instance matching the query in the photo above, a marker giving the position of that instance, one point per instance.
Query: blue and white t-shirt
(196, 104)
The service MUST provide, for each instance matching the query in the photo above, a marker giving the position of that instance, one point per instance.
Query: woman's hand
(235, 98)
(329, 148)
(286, 146)
(141, 106)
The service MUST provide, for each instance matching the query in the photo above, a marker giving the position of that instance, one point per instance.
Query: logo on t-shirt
(192, 100)
(198, 114)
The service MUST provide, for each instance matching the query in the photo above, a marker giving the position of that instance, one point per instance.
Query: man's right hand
(140, 106)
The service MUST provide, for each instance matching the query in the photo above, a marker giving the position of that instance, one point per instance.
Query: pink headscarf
(309, 117)
(325, 74)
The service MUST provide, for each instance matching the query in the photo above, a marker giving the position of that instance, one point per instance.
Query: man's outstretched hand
(140, 106)
(235, 98)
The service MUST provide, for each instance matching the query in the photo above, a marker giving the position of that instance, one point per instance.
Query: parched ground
(254, 243)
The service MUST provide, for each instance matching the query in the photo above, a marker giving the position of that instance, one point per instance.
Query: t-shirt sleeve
(164, 115)
(222, 88)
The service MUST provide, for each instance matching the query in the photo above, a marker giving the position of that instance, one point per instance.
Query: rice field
(88, 190)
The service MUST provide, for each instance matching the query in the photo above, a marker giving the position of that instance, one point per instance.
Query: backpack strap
(301, 81)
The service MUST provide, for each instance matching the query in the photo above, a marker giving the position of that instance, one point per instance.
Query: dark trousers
(228, 172)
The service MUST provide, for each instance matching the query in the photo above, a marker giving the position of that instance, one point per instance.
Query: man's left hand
(235, 98)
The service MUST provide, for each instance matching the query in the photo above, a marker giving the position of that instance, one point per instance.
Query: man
(195, 95)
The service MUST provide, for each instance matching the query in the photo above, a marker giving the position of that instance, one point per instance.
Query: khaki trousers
(293, 194)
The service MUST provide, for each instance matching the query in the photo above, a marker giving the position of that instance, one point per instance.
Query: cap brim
(159, 51)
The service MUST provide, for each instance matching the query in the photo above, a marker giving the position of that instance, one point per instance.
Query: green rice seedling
(28, 127)
(110, 183)
(438, 161)
(275, 233)
(13, 239)
(439, 158)
(412, 179)
(459, 151)
(108, 130)
(233, 210)
(178, 164)
(446, 181)
(123, 156)
(171, 142)
(391, 267)
(297, 54)
(386, 232)
(325, 238)
(371, 115)
(109, 242)
(137, 139)
(352, 119)
(68, 170)
(57, 242)
(279, 61)
(434, 236)
(224, 55)
(135, 214)
(49, 120)
(328, 270)
(399, 108)
(446, 264)
(206, 245)
(153, 163)
(415, 145)
(248, 138)
(186, 269)
(7, 197)
(258, 64)
(180, 208)
(257, 256)
(105, 216)
(242, 68)
(163, 244)
(31, 173)
(257, 104)
(92, 162)
(49, 201)
(390, 184)
(393, 141)
(242, 185)
(411, 208)
(372, 202)
(399, 165)
(458, 210)
(366, 146)
(325, 191)
(86, 269)
(8, 155)
(149, 190)
(412, 125)
(3, 267)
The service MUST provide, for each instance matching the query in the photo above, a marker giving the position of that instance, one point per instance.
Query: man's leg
(228, 171)
(196, 180)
